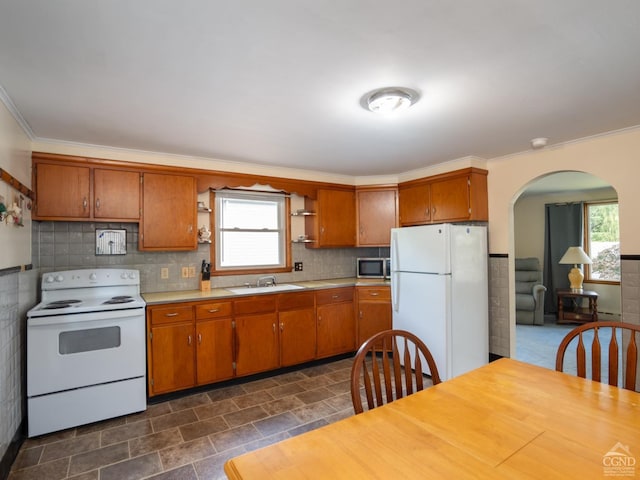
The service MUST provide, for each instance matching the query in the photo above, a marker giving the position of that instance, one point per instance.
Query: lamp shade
(575, 256)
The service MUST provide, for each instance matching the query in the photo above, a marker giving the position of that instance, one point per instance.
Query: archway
(537, 344)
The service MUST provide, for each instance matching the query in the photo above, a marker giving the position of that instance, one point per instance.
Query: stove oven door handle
(79, 318)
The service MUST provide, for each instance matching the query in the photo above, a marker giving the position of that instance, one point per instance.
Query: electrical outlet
(297, 266)
(185, 272)
(192, 271)
(164, 273)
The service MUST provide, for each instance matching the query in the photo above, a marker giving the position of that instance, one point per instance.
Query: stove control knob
(59, 278)
(123, 275)
(132, 275)
(93, 276)
(49, 279)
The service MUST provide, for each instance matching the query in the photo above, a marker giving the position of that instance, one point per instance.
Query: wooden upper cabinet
(452, 197)
(169, 205)
(72, 191)
(414, 204)
(377, 214)
(334, 224)
(62, 191)
(116, 194)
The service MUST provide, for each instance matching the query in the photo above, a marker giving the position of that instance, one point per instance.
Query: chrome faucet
(268, 281)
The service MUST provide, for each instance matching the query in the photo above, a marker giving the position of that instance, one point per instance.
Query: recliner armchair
(529, 292)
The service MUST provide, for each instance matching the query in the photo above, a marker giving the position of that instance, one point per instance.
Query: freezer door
(421, 249)
(420, 307)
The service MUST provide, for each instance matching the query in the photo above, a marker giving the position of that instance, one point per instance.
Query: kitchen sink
(248, 290)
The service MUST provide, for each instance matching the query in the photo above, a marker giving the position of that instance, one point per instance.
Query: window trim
(251, 270)
(586, 243)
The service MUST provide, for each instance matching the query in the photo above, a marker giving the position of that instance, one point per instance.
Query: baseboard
(12, 450)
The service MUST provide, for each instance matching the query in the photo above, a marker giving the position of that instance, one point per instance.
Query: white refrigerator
(439, 292)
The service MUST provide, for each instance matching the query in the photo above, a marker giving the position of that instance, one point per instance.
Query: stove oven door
(79, 350)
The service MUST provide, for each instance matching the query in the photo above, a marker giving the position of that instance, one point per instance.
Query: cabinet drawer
(334, 295)
(374, 294)
(213, 310)
(293, 301)
(171, 314)
(257, 304)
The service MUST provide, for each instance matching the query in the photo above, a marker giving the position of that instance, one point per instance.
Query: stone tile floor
(191, 437)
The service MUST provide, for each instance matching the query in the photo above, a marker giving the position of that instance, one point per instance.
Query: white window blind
(249, 230)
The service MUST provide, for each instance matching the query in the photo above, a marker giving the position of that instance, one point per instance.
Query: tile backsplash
(71, 245)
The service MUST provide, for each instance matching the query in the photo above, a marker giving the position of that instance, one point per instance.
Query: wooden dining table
(507, 419)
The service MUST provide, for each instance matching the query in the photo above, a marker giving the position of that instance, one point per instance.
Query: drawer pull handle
(335, 297)
(214, 310)
(374, 294)
(174, 314)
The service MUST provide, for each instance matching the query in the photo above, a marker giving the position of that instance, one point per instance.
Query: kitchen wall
(71, 245)
(613, 157)
(17, 289)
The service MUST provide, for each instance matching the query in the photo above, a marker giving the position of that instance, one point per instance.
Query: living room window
(602, 241)
(250, 231)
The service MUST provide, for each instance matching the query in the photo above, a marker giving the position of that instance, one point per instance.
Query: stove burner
(53, 306)
(60, 304)
(119, 299)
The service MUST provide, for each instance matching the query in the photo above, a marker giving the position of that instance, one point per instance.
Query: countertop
(157, 298)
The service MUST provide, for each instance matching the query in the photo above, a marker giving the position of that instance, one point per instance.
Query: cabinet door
(414, 204)
(116, 194)
(377, 215)
(169, 212)
(62, 191)
(337, 218)
(450, 199)
(214, 353)
(173, 358)
(336, 329)
(257, 346)
(297, 336)
(373, 317)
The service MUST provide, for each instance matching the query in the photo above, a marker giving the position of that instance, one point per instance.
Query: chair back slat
(418, 370)
(397, 373)
(408, 378)
(613, 359)
(629, 361)
(596, 351)
(383, 381)
(632, 363)
(581, 358)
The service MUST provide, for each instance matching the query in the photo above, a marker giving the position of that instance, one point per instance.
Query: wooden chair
(379, 361)
(597, 329)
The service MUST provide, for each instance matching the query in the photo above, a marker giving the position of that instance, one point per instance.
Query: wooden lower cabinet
(172, 350)
(214, 342)
(257, 339)
(197, 343)
(257, 343)
(297, 322)
(336, 325)
(374, 311)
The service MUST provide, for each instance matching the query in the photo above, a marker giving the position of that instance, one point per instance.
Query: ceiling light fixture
(390, 99)
(539, 142)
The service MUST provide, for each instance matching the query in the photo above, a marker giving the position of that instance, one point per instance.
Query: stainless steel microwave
(374, 267)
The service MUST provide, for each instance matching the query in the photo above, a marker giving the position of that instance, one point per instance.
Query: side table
(576, 312)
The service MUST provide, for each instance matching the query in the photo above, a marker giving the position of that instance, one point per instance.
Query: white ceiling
(279, 82)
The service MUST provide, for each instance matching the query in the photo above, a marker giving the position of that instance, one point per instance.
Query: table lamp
(575, 256)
